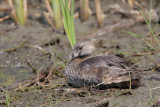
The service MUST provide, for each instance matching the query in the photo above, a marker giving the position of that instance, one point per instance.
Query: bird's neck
(78, 60)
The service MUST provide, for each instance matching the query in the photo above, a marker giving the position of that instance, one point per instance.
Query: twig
(13, 49)
(43, 76)
(38, 73)
(4, 18)
(21, 45)
(49, 75)
(38, 47)
(33, 68)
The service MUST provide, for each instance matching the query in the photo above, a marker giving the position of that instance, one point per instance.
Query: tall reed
(53, 16)
(56, 12)
(85, 10)
(99, 13)
(68, 20)
(18, 11)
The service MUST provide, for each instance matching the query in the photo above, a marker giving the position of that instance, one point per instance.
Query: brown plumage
(84, 70)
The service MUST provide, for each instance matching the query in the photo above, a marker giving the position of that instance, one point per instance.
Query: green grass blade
(133, 34)
(68, 19)
(149, 26)
(7, 100)
(149, 45)
(56, 12)
(138, 36)
(72, 23)
(20, 11)
(65, 19)
(64, 16)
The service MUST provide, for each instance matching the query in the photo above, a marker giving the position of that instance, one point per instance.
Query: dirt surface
(15, 70)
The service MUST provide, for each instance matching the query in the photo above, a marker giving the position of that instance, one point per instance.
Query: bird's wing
(107, 70)
(105, 61)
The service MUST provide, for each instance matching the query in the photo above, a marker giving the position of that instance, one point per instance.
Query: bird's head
(82, 48)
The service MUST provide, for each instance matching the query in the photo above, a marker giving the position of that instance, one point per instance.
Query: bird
(84, 69)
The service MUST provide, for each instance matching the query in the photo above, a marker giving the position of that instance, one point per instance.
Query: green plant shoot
(68, 20)
(20, 12)
(56, 12)
(7, 100)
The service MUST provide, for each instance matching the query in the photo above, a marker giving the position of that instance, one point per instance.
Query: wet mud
(14, 69)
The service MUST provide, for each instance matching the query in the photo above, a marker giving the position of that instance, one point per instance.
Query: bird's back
(105, 61)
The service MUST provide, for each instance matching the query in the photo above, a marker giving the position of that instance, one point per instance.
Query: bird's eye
(79, 48)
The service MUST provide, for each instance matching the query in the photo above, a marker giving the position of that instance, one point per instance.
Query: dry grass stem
(85, 10)
(48, 15)
(13, 11)
(14, 49)
(4, 18)
(25, 10)
(53, 16)
(49, 7)
(18, 11)
(99, 13)
(37, 47)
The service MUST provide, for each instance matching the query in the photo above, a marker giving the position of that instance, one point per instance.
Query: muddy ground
(14, 69)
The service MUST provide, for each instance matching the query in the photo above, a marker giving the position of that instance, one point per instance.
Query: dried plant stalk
(85, 11)
(47, 15)
(57, 13)
(99, 13)
(54, 13)
(49, 7)
(13, 11)
(4, 18)
(18, 11)
(25, 10)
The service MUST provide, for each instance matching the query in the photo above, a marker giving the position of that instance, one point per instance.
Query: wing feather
(104, 61)
(107, 70)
